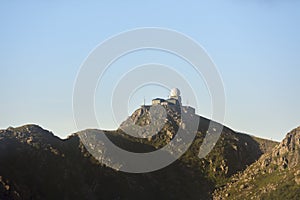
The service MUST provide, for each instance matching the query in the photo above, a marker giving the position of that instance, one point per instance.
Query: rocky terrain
(35, 164)
(276, 175)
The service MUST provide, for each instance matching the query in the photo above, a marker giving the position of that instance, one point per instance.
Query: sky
(254, 44)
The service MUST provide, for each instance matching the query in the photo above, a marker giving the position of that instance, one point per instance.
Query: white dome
(175, 92)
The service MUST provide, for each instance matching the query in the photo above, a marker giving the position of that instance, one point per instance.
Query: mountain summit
(35, 164)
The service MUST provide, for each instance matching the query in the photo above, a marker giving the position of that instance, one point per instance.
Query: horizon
(71, 133)
(44, 46)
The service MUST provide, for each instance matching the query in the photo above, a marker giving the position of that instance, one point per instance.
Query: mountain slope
(232, 153)
(35, 164)
(276, 175)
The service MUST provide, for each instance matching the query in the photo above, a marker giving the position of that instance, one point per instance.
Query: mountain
(276, 175)
(35, 164)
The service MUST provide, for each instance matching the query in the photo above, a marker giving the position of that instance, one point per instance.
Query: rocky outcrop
(287, 153)
(275, 173)
(35, 164)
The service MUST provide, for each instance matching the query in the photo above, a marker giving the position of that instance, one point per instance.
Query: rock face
(232, 153)
(287, 153)
(35, 164)
(275, 175)
(297, 177)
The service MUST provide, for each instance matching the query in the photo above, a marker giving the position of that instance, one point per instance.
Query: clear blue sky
(255, 45)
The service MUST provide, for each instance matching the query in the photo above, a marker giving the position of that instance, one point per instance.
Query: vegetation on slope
(34, 164)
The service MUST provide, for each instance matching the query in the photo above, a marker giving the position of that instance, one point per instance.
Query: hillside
(35, 164)
(276, 175)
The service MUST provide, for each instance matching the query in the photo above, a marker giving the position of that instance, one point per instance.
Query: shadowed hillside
(35, 164)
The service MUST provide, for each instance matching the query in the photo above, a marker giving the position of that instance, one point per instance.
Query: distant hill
(35, 164)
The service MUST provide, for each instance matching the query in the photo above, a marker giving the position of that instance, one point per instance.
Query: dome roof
(175, 92)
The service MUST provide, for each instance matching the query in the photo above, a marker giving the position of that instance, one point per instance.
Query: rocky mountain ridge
(276, 175)
(35, 164)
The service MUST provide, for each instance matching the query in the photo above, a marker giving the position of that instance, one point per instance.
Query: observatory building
(174, 102)
(174, 99)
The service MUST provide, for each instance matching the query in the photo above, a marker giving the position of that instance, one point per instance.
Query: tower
(175, 95)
